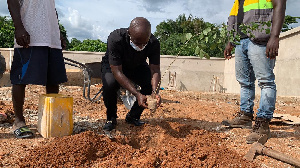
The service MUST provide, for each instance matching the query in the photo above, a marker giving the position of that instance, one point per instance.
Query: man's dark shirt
(120, 52)
(240, 18)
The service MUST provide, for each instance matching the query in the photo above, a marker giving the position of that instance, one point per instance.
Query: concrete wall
(287, 67)
(202, 71)
(230, 83)
(192, 73)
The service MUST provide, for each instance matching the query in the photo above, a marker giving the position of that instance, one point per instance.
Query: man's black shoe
(134, 121)
(110, 124)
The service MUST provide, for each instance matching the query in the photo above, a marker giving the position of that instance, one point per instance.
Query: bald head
(140, 30)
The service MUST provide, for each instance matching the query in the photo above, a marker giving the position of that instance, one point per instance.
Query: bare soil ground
(184, 132)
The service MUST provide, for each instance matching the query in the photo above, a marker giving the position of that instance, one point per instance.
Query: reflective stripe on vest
(257, 4)
(251, 5)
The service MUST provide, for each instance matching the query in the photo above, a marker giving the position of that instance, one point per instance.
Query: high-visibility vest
(255, 11)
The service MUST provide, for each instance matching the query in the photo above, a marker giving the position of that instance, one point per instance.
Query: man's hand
(227, 51)
(158, 98)
(142, 99)
(277, 22)
(272, 47)
(22, 37)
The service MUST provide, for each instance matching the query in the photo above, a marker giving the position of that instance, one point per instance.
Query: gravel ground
(184, 132)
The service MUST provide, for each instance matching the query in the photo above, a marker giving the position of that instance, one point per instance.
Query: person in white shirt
(38, 57)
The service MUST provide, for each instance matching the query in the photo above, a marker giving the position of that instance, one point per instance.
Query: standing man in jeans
(38, 55)
(255, 59)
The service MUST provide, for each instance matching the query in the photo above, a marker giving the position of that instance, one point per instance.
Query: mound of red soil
(89, 149)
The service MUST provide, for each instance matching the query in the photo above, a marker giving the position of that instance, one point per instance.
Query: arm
(277, 22)
(155, 74)
(21, 35)
(126, 84)
(155, 82)
(228, 50)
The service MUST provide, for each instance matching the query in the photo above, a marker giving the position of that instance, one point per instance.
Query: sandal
(23, 132)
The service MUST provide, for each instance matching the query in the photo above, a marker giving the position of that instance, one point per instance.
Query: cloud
(210, 11)
(292, 9)
(94, 20)
(82, 28)
(3, 8)
(156, 5)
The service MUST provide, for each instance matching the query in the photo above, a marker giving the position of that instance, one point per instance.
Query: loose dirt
(184, 131)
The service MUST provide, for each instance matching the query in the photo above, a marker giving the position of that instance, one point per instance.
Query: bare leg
(18, 95)
(52, 89)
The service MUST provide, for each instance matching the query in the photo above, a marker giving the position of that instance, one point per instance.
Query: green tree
(74, 42)
(87, 45)
(7, 30)
(204, 39)
(287, 21)
(192, 36)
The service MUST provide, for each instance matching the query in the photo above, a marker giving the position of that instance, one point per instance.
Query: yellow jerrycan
(55, 115)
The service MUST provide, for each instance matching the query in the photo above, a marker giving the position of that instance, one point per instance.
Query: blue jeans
(251, 63)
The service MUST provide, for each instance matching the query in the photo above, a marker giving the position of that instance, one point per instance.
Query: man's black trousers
(140, 76)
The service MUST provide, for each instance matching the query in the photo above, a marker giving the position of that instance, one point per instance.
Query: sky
(95, 19)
